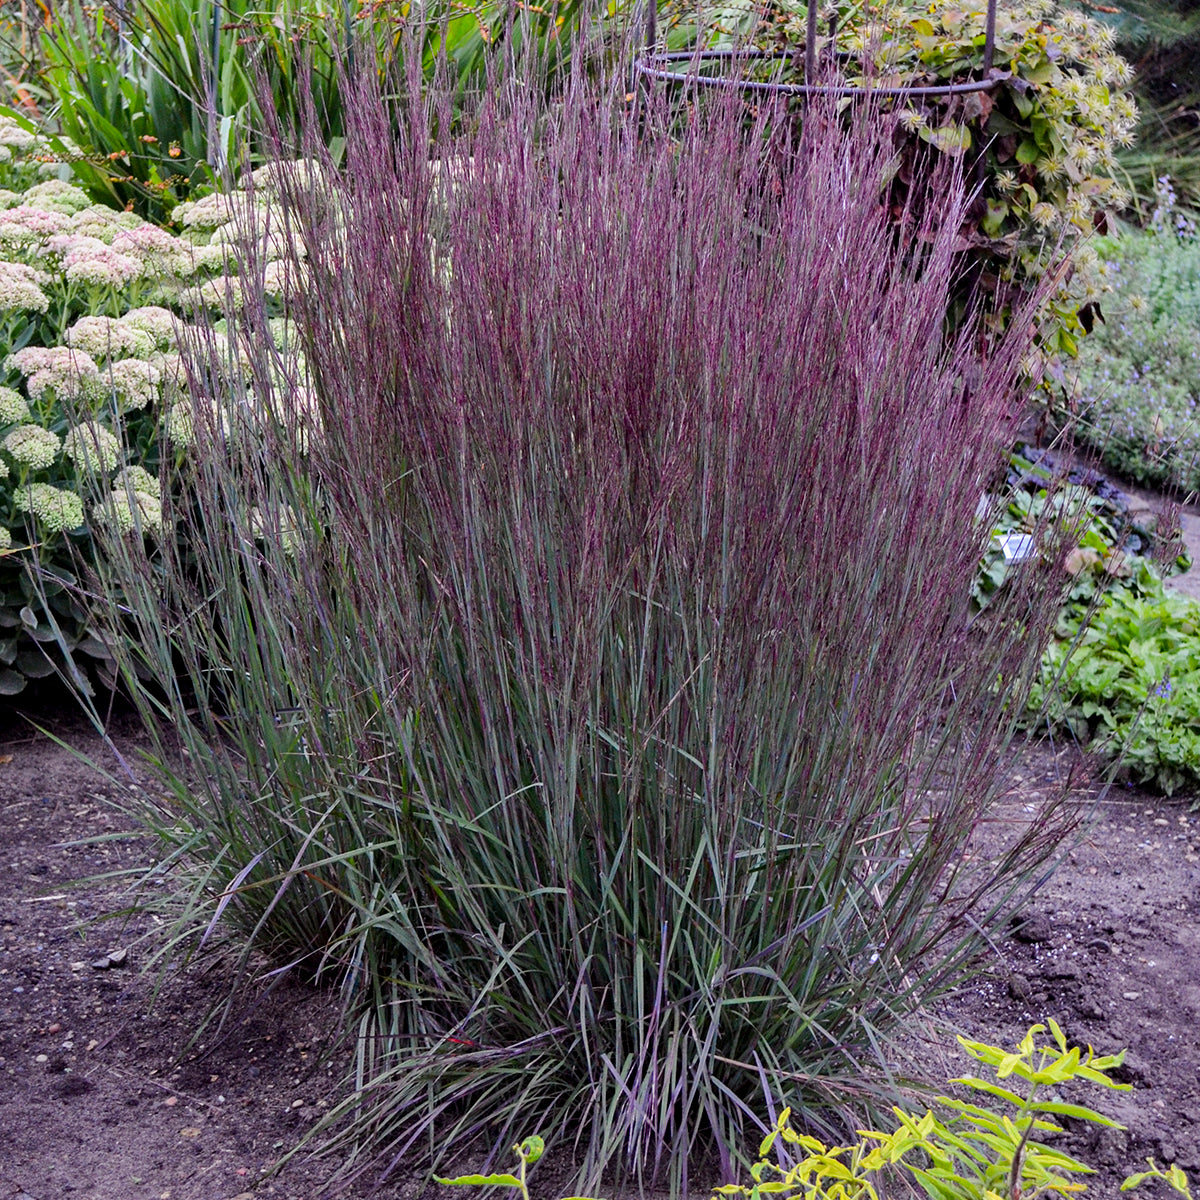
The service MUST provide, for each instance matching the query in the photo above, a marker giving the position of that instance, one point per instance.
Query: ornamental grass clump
(591, 691)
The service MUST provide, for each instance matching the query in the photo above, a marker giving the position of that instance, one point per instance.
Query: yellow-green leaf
(480, 1181)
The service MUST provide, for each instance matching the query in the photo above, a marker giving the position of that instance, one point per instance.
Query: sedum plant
(93, 303)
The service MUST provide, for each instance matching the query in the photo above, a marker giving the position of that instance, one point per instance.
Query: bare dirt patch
(1110, 948)
(99, 1096)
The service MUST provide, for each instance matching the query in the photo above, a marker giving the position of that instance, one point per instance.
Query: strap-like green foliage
(162, 95)
(159, 94)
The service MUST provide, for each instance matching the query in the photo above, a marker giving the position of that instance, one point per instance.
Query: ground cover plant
(1139, 378)
(1120, 673)
(593, 698)
(1126, 679)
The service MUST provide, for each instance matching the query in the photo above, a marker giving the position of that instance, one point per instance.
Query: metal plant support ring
(658, 65)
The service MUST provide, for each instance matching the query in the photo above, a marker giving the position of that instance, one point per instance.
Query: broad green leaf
(1028, 152)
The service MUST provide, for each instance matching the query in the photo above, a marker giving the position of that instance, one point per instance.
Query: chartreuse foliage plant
(988, 1148)
(573, 691)
(1043, 140)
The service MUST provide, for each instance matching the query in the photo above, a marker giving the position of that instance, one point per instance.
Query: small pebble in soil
(1132, 995)
(1035, 928)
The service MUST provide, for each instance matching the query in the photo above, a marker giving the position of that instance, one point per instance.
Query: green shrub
(1044, 139)
(1140, 374)
(1129, 682)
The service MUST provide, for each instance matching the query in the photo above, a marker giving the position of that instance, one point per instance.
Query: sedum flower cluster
(92, 448)
(22, 289)
(68, 374)
(102, 318)
(57, 509)
(33, 447)
(134, 504)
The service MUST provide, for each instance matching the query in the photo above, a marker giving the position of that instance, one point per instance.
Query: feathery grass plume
(595, 699)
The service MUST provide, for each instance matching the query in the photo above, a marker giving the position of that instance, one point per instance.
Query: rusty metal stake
(810, 46)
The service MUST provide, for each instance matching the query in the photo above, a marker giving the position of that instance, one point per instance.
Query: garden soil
(102, 1096)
